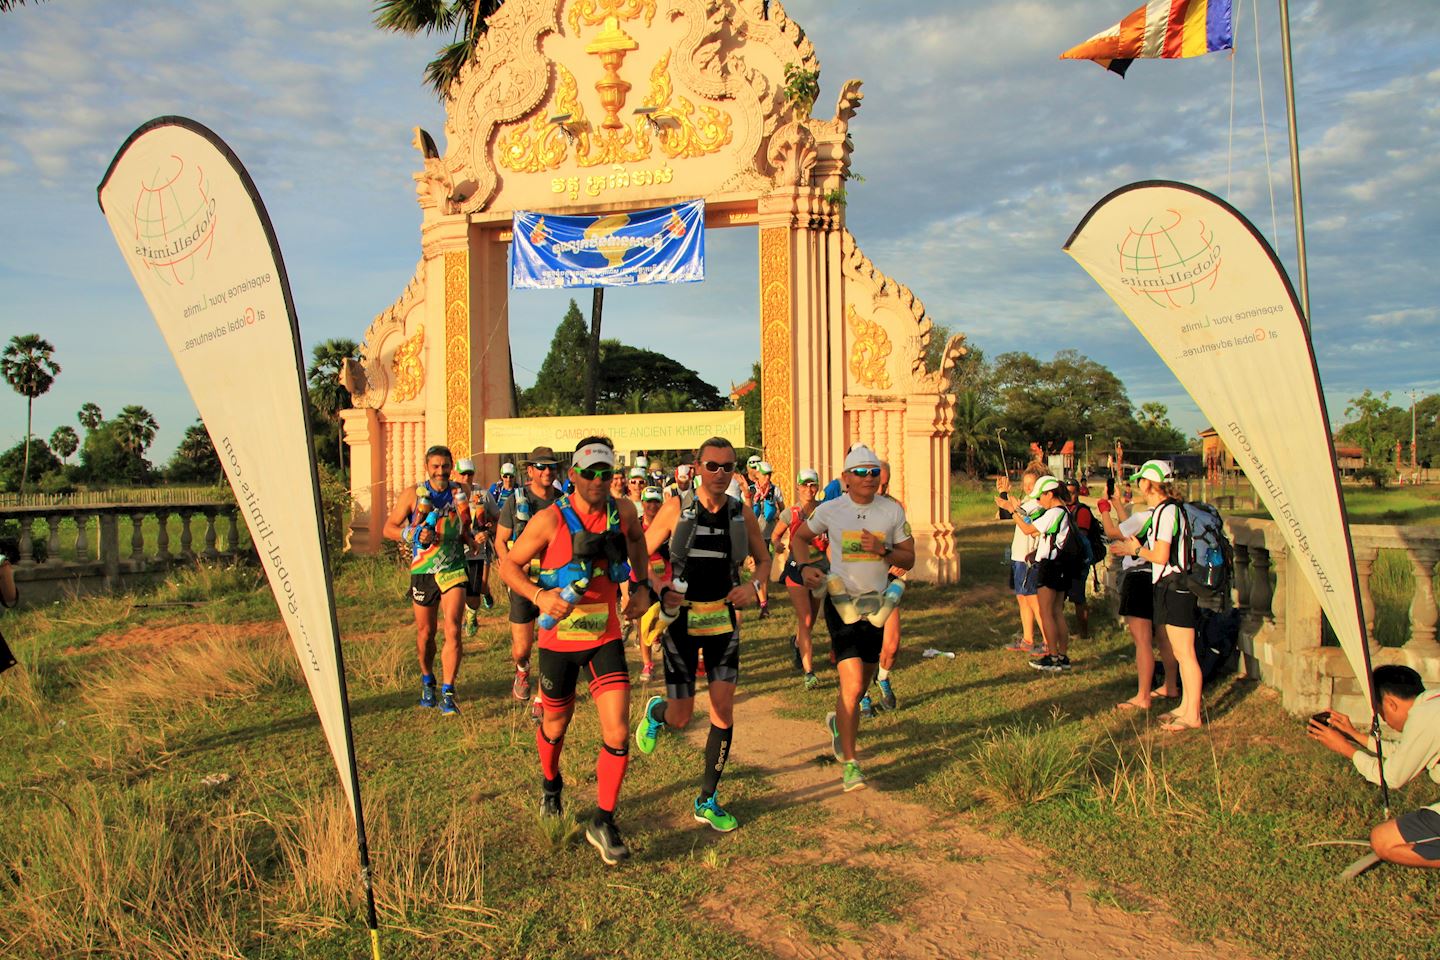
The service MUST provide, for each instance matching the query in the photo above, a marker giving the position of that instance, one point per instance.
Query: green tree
(64, 441)
(754, 412)
(30, 369)
(17, 459)
(107, 459)
(1050, 403)
(1154, 435)
(625, 370)
(1374, 426)
(327, 394)
(464, 20)
(974, 424)
(559, 387)
(195, 458)
(135, 429)
(90, 416)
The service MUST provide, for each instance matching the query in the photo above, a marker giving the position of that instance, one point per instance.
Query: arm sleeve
(1418, 748)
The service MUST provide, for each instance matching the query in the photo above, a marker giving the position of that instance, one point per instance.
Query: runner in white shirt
(1023, 572)
(1137, 603)
(868, 535)
(1051, 529)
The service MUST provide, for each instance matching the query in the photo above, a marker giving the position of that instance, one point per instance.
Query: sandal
(1125, 706)
(1177, 725)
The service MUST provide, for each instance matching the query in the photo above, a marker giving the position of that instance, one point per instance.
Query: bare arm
(742, 595)
(8, 594)
(536, 537)
(399, 516)
(635, 540)
(902, 555)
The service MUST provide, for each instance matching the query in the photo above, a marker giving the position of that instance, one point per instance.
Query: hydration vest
(683, 537)
(524, 511)
(765, 508)
(617, 568)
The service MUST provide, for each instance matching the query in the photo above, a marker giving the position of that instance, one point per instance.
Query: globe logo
(175, 221)
(1169, 260)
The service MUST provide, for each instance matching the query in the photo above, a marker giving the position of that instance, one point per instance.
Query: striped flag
(1161, 29)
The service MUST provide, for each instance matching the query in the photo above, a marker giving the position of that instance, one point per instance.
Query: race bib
(708, 618)
(852, 552)
(586, 623)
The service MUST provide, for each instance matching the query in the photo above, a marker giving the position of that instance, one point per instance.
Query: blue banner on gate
(664, 245)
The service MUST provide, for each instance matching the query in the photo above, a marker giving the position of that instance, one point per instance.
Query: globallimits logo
(1170, 260)
(175, 221)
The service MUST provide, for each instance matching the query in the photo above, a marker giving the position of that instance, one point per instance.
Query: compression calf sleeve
(717, 751)
(549, 753)
(609, 774)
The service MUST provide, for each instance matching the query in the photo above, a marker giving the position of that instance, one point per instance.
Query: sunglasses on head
(865, 471)
(715, 466)
(594, 473)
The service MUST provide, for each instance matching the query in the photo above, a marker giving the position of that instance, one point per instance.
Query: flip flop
(1178, 726)
(1125, 706)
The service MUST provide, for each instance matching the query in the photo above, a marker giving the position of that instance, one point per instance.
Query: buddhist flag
(1161, 29)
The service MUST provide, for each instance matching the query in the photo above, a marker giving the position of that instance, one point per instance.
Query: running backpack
(1075, 555)
(1207, 561)
(1094, 535)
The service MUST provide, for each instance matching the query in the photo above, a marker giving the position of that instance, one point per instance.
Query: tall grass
(1028, 763)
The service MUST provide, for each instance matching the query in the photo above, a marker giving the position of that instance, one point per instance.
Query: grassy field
(174, 798)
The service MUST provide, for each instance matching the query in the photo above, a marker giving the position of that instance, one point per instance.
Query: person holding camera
(1411, 839)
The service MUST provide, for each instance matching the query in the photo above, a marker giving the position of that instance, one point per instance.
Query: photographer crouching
(1412, 839)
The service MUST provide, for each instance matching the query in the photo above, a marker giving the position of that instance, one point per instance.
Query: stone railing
(1281, 621)
(104, 557)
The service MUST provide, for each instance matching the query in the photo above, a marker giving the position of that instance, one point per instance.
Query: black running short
(522, 610)
(424, 592)
(1052, 576)
(682, 656)
(792, 574)
(1174, 605)
(475, 584)
(850, 640)
(1137, 594)
(604, 667)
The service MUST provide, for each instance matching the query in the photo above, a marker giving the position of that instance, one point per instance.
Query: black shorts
(791, 574)
(850, 640)
(1137, 594)
(1174, 605)
(424, 591)
(475, 584)
(1053, 576)
(1422, 828)
(522, 610)
(682, 657)
(560, 671)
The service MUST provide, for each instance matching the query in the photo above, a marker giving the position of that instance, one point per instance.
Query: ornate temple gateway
(601, 106)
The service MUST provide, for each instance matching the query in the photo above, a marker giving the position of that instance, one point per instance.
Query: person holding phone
(1024, 573)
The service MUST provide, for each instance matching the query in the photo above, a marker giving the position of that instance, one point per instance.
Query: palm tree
(326, 392)
(64, 441)
(7, 5)
(28, 367)
(90, 416)
(136, 427)
(465, 20)
(973, 422)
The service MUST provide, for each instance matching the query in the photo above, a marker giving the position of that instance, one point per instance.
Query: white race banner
(1206, 290)
(195, 234)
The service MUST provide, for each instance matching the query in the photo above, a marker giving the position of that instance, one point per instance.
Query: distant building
(1218, 458)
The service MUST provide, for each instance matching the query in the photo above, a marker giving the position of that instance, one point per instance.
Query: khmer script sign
(663, 245)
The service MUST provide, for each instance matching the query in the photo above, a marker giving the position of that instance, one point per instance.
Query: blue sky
(981, 151)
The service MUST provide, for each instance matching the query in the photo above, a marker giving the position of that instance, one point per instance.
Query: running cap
(540, 455)
(861, 456)
(753, 462)
(1156, 470)
(1043, 484)
(807, 476)
(594, 455)
(507, 469)
(637, 473)
(651, 495)
(765, 467)
(642, 462)
(466, 465)
(682, 471)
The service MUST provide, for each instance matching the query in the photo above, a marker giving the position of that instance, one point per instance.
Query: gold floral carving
(683, 133)
(595, 12)
(776, 360)
(869, 352)
(457, 352)
(534, 146)
(409, 373)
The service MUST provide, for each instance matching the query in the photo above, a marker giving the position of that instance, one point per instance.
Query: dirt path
(968, 906)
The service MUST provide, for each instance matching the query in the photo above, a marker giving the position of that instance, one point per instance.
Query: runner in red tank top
(807, 489)
(584, 534)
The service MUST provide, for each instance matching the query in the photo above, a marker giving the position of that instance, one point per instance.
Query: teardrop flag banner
(1205, 289)
(195, 234)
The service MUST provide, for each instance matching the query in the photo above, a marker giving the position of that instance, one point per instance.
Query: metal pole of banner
(1304, 274)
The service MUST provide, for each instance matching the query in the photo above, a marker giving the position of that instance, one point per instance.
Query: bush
(55, 483)
(1028, 763)
(1376, 476)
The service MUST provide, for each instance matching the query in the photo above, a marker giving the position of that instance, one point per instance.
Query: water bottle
(522, 510)
(570, 593)
(889, 600)
(672, 600)
(1214, 567)
(842, 601)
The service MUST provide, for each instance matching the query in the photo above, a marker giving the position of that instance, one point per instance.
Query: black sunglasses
(547, 465)
(715, 466)
(594, 473)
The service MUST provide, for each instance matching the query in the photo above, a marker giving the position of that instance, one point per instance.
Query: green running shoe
(834, 729)
(854, 779)
(811, 681)
(648, 728)
(709, 811)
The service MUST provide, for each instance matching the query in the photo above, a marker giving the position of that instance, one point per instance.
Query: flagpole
(1294, 159)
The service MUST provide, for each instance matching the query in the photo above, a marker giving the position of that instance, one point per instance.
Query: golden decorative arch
(408, 369)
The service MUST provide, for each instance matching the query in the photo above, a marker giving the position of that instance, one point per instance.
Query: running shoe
(646, 672)
(472, 624)
(887, 695)
(1048, 663)
(834, 729)
(487, 601)
(867, 708)
(853, 779)
(550, 805)
(709, 811)
(1019, 645)
(795, 657)
(537, 712)
(447, 704)
(604, 837)
(520, 689)
(427, 695)
(811, 681)
(1062, 662)
(649, 728)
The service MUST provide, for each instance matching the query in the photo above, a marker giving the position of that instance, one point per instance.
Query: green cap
(1042, 485)
(1156, 470)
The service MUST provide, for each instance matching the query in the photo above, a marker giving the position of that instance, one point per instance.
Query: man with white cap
(501, 489)
(868, 535)
(587, 543)
(538, 493)
(768, 500)
(683, 481)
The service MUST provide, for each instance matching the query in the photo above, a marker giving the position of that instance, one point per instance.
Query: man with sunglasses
(591, 537)
(520, 508)
(433, 518)
(868, 536)
(710, 534)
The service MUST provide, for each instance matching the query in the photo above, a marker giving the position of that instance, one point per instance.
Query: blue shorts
(1024, 578)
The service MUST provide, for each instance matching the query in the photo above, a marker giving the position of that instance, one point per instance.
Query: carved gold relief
(611, 46)
(776, 334)
(409, 374)
(685, 134)
(869, 352)
(457, 352)
(533, 147)
(595, 12)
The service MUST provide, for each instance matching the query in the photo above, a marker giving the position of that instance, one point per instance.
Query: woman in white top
(1137, 603)
(1176, 610)
(1050, 529)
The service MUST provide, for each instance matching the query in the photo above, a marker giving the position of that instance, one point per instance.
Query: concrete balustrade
(98, 560)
